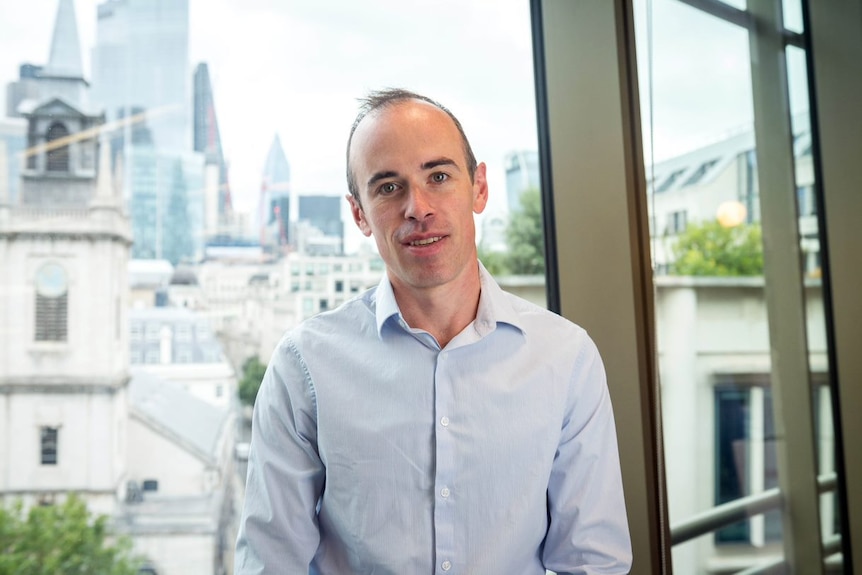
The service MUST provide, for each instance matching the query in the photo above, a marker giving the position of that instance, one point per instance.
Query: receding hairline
(377, 112)
(377, 102)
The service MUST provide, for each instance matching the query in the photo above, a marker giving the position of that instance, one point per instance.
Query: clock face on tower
(51, 280)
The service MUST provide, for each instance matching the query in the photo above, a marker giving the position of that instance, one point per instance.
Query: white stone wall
(178, 553)
(215, 383)
(708, 327)
(91, 442)
(153, 456)
(97, 343)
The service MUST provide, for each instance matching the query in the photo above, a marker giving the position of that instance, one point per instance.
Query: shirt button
(446, 565)
(444, 421)
(444, 492)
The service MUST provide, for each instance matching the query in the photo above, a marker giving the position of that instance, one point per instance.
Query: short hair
(380, 99)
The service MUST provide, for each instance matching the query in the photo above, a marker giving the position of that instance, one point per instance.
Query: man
(435, 424)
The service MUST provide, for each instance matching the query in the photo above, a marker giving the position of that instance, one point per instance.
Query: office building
(128, 73)
(323, 213)
(275, 198)
(522, 174)
(166, 203)
(207, 140)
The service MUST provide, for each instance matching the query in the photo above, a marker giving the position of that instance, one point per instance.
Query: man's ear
(358, 215)
(480, 189)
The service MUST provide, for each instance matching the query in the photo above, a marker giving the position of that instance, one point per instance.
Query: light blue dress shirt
(374, 451)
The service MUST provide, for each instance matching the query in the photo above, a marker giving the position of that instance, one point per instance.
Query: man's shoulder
(536, 317)
(347, 320)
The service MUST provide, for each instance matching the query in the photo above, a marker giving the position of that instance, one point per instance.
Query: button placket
(444, 512)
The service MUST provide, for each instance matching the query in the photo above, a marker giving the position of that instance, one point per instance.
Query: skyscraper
(324, 213)
(141, 59)
(207, 138)
(141, 75)
(522, 174)
(274, 205)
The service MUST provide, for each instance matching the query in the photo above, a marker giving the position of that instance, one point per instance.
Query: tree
(710, 249)
(495, 262)
(61, 539)
(525, 236)
(252, 375)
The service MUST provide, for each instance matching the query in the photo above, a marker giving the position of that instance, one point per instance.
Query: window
(51, 315)
(745, 458)
(51, 305)
(150, 485)
(183, 332)
(58, 157)
(152, 331)
(48, 445)
(339, 286)
(669, 181)
(700, 173)
(676, 222)
(184, 354)
(805, 201)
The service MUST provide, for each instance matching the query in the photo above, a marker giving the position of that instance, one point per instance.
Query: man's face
(417, 198)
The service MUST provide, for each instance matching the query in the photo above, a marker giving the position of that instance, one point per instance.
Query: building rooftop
(169, 409)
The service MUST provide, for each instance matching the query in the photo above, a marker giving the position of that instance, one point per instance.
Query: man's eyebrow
(442, 161)
(381, 176)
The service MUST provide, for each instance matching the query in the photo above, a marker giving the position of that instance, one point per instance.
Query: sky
(295, 68)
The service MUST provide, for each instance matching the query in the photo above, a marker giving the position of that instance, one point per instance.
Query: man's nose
(418, 203)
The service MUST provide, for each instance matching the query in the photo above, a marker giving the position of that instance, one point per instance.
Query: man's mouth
(426, 241)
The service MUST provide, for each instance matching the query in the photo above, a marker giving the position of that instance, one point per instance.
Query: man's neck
(442, 311)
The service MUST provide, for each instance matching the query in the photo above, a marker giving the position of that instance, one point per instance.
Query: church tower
(64, 368)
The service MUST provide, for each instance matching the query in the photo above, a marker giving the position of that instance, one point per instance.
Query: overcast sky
(296, 67)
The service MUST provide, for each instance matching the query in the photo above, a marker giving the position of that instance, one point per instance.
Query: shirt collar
(495, 305)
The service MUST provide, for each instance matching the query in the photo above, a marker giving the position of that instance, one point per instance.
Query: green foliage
(60, 540)
(710, 249)
(495, 262)
(525, 236)
(252, 375)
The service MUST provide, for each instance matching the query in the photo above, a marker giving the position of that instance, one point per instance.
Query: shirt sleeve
(588, 531)
(278, 530)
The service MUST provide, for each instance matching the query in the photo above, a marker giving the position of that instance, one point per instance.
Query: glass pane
(807, 192)
(218, 180)
(712, 321)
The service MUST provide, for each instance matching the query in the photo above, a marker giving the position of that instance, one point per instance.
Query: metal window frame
(834, 53)
(594, 193)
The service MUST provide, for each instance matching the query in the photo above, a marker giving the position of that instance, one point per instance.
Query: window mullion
(785, 301)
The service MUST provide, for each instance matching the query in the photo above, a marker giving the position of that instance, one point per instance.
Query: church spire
(65, 59)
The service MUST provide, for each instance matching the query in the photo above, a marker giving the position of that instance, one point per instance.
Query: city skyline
(281, 65)
(296, 70)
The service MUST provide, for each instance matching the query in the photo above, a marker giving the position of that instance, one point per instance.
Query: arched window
(58, 158)
(51, 303)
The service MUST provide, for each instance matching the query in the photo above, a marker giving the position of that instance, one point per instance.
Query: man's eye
(439, 177)
(388, 188)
